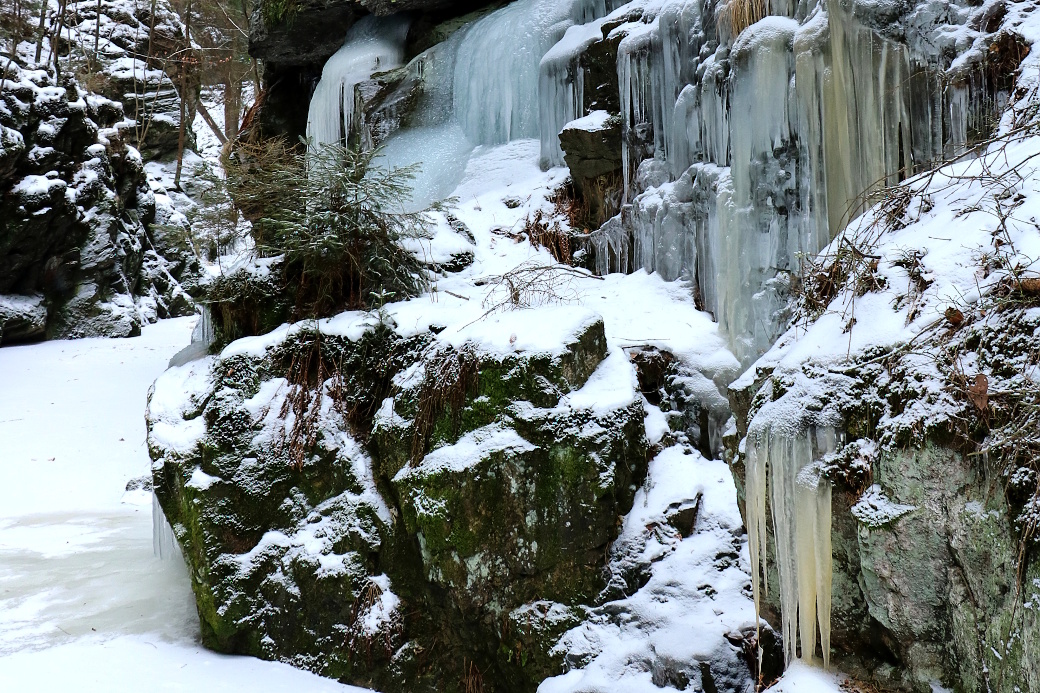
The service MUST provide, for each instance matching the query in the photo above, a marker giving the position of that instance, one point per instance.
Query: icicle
(164, 542)
(374, 44)
(755, 500)
(634, 83)
(780, 467)
(203, 332)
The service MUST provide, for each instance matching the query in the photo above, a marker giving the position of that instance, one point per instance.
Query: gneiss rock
(22, 318)
(75, 214)
(592, 150)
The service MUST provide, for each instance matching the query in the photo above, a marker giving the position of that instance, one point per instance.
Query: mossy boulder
(374, 506)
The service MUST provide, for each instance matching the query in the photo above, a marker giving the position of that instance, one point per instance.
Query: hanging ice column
(780, 470)
(164, 542)
(374, 44)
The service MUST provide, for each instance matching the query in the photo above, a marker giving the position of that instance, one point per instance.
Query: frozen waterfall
(487, 84)
(374, 44)
(781, 471)
(798, 118)
(741, 154)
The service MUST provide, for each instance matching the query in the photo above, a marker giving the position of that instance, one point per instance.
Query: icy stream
(84, 603)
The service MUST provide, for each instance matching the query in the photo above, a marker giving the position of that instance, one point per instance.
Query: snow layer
(802, 678)
(150, 663)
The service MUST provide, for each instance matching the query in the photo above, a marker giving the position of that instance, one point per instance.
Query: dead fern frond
(472, 679)
(306, 375)
(450, 377)
(737, 15)
(368, 638)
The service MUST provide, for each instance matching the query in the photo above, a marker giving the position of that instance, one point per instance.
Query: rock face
(140, 65)
(926, 581)
(75, 243)
(86, 246)
(738, 152)
(920, 419)
(382, 508)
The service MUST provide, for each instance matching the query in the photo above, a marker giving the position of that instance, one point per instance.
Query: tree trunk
(97, 31)
(232, 105)
(184, 88)
(209, 121)
(40, 32)
(59, 24)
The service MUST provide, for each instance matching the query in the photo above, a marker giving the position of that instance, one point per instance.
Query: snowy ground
(84, 604)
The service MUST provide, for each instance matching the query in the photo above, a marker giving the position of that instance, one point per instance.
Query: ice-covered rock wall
(744, 148)
(750, 134)
(744, 152)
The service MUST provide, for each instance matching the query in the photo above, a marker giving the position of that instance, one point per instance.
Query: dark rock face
(74, 217)
(308, 38)
(592, 150)
(22, 318)
(457, 539)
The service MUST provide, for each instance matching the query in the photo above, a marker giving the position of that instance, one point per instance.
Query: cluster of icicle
(767, 142)
(780, 468)
(164, 541)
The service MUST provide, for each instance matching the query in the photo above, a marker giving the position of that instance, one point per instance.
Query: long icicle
(782, 466)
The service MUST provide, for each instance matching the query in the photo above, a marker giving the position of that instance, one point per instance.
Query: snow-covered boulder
(329, 488)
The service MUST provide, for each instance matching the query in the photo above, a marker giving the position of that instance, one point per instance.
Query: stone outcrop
(143, 62)
(77, 247)
(394, 533)
(931, 580)
(933, 466)
(592, 150)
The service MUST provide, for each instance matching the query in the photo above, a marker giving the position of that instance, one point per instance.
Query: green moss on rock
(285, 548)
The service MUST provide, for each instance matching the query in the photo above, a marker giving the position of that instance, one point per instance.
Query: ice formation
(780, 131)
(781, 472)
(741, 153)
(374, 44)
(487, 84)
(164, 542)
(744, 150)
